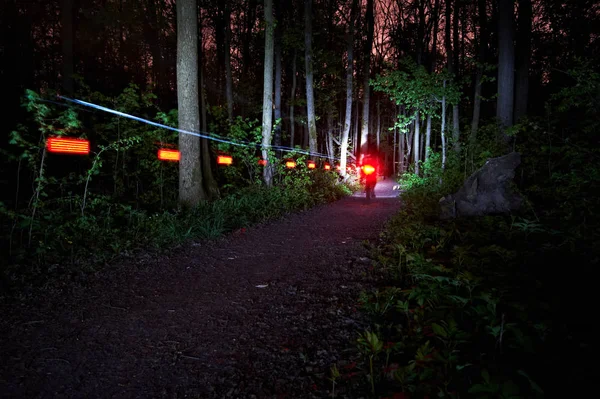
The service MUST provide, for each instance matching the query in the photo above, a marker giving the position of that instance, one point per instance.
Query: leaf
(439, 330)
(536, 388)
(486, 376)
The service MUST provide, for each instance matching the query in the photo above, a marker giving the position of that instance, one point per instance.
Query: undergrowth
(70, 215)
(494, 306)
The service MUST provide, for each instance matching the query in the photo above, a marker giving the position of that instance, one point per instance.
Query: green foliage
(84, 211)
(413, 87)
(471, 305)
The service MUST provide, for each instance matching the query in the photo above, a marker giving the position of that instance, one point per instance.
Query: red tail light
(368, 169)
(262, 162)
(311, 165)
(327, 167)
(290, 164)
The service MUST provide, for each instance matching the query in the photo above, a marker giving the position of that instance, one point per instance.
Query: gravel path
(263, 312)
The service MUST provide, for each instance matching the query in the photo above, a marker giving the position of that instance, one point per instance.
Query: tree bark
(364, 134)
(308, 64)
(435, 34)
(349, 75)
(443, 130)
(330, 148)
(210, 184)
(267, 122)
(523, 58)
(355, 141)
(428, 138)
(456, 53)
(228, 77)
(190, 170)
(506, 64)
(293, 99)
(416, 142)
(277, 110)
(483, 38)
(378, 124)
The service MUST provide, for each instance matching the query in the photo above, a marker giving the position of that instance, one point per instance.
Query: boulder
(488, 191)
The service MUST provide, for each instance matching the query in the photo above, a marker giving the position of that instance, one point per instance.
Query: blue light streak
(204, 135)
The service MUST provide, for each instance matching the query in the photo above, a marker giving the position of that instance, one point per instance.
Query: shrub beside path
(263, 312)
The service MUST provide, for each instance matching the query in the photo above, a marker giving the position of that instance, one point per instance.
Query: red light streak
(67, 145)
(168, 155)
(224, 160)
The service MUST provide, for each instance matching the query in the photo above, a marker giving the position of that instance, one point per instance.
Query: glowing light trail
(168, 155)
(201, 135)
(224, 160)
(68, 145)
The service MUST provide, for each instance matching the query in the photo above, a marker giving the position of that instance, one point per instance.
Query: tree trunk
(210, 184)
(66, 36)
(292, 100)
(428, 138)
(190, 170)
(416, 143)
(364, 134)
(349, 74)
(483, 39)
(310, 99)
(277, 138)
(455, 129)
(456, 53)
(355, 141)
(506, 64)
(451, 52)
(420, 30)
(378, 124)
(443, 130)
(436, 8)
(228, 77)
(523, 59)
(394, 151)
(330, 147)
(267, 118)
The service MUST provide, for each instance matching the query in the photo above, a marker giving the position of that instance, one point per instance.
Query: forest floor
(262, 312)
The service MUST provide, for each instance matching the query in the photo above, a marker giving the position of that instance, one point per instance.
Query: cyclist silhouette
(369, 170)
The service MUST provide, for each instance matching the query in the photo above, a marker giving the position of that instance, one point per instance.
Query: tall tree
(227, 50)
(506, 64)
(523, 56)
(452, 62)
(212, 188)
(293, 99)
(483, 43)
(279, 13)
(190, 169)
(349, 74)
(364, 134)
(308, 63)
(267, 117)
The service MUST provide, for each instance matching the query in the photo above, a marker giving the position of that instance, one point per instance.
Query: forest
(263, 108)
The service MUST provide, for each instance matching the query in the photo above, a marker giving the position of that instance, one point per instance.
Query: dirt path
(261, 313)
